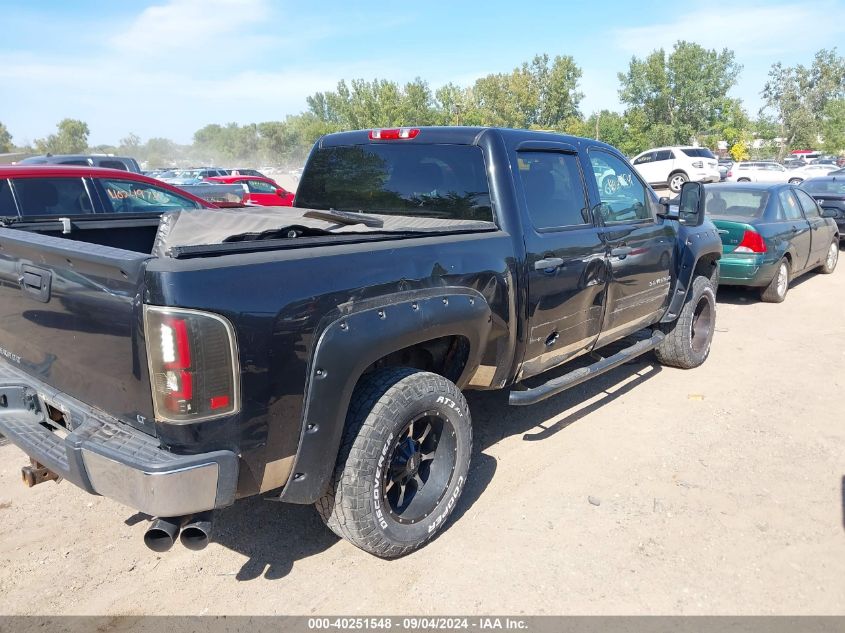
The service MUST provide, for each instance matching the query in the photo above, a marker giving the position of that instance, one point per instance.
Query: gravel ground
(650, 490)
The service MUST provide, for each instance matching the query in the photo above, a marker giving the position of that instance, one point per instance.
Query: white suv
(674, 166)
(759, 171)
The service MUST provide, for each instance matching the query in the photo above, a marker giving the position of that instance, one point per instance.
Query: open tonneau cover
(203, 227)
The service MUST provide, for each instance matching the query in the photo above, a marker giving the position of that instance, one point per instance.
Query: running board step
(576, 377)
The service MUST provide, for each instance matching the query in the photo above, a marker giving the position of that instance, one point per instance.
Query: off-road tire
(354, 505)
(776, 292)
(676, 181)
(831, 259)
(688, 338)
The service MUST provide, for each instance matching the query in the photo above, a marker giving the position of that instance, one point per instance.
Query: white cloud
(198, 28)
(755, 29)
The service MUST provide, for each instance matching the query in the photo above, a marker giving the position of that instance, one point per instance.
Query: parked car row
(770, 171)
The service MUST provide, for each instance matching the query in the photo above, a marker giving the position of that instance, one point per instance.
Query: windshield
(735, 203)
(447, 182)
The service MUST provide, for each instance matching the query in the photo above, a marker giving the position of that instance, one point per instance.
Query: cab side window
(789, 205)
(52, 196)
(646, 158)
(7, 202)
(554, 190)
(623, 196)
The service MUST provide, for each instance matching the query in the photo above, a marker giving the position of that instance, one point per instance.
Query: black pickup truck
(318, 354)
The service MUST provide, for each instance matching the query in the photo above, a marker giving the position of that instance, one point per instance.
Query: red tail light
(394, 134)
(193, 364)
(752, 242)
(729, 174)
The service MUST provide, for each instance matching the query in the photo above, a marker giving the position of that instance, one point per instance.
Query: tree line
(669, 97)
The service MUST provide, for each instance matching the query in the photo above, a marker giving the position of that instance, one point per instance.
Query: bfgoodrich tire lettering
(403, 462)
(687, 342)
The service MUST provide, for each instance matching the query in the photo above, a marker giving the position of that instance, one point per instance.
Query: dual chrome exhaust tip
(193, 531)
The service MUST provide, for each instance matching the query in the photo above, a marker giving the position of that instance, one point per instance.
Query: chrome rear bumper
(106, 457)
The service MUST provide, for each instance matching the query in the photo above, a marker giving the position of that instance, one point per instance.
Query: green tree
(833, 126)
(5, 139)
(541, 94)
(799, 97)
(678, 97)
(71, 138)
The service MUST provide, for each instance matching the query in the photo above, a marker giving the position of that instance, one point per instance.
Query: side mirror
(691, 205)
(829, 213)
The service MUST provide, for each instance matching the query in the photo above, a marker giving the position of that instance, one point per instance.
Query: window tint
(808, 204)
(259, 186)
(833, 186)
(740, 202)
(113, 164)
(438, 181)
(73, 161)
(7, 202)
(789, 204)
(52, 196)
(127, 196)
(554, 190)
(623, 197)
(645, 158)
(698, 152)
(664, 154)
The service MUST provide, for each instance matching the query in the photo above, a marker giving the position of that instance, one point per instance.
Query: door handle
(794, 229)
(620, 251)
(549, 263)
(35, 282)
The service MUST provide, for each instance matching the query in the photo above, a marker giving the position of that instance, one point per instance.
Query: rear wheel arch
(444, 331)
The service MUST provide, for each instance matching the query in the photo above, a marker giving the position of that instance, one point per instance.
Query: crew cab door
(565, 256)
(640, 251)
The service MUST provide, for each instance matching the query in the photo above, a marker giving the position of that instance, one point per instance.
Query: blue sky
(169, 67)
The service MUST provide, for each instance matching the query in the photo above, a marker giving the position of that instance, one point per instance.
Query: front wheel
(403, 462)
(676, 181)
(795, 181)
(831, 259)
(688, 339)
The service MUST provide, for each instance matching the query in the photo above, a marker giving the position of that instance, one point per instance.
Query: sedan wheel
(832, 258)
(776, 291)
(795, 181)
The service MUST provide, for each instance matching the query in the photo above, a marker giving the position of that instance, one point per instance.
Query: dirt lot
(719, 490)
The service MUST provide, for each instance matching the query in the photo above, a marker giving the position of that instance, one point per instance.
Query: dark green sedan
(771, 233)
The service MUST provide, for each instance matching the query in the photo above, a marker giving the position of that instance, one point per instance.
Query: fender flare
(353, 340)
(696, 243)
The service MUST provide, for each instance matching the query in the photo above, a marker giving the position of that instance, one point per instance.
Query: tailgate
(70, 316)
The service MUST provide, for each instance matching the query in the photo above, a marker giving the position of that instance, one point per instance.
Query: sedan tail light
(698, 164)
(193, 364)
(752, 242)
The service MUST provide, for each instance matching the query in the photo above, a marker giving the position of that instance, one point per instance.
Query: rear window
(740, 203)
(436, 181)
(698, 152)
(835, 187)
(114, 164)
(52, 196)
(7, 202)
